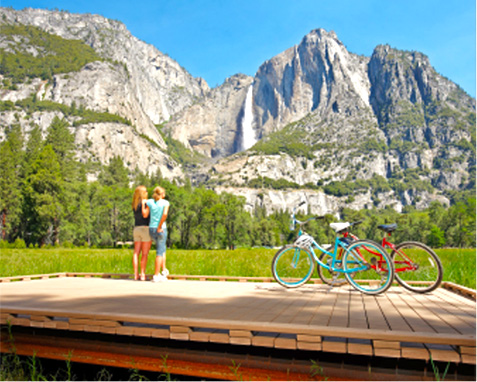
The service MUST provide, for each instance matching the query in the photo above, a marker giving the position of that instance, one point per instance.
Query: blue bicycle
(294, 264)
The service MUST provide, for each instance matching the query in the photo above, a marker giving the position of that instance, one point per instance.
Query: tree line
(46, 199)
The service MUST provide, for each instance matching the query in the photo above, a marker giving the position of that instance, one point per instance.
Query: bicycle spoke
(292, 266)
(368, 267)
(417, 267)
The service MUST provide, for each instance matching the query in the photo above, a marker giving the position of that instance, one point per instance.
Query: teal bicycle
(294, 264)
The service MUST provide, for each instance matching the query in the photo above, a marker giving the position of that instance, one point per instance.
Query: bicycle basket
(304, 241)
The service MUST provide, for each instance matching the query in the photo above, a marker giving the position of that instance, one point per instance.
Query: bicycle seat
(338, 227)
(388, 228)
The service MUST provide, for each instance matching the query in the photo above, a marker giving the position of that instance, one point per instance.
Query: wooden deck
(397, 324)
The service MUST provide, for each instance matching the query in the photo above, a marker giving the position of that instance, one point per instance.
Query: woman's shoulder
(165, 202)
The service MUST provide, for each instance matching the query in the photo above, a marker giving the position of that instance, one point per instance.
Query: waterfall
(248, 133)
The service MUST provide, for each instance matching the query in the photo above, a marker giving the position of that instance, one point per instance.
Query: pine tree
(44, 198)
(11, 162)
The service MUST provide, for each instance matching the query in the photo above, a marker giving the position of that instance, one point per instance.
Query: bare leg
(159, 263)
(145, 247)
(135, 259)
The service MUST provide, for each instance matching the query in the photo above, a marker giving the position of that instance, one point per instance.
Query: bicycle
(294, 264)
(416, 266)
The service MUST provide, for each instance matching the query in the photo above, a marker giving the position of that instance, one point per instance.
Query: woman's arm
(163, 218)
(145, 209)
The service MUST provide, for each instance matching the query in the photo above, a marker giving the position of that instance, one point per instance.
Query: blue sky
(215, 39)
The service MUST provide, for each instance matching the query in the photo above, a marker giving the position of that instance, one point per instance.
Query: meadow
(459, 264)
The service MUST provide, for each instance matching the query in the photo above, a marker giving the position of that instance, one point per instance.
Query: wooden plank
(313, 304)
(285, 341)
(264, 339)
(322, 316)
(181, 333)
(391, 314)
(142, 331)
(467, 292)
(104, 329)
(308, 338)
(240, 341)
(160, 332)
(414, 351)
(41, 318)
(360, 346)
(387, 344)
(450, 312)
(467, 350)
(357, 312)
(444, 353)
(414, 320)
(376, 318)
(468, 359)
(201, 334)
(220, 336)
(437, 317)
(126, 331)
(385, 352)
(312, 346)
(465, 304)
(6, 318)
(21, 321)
(339, 315)
(88, 321)
(240, 333)
(334, 344)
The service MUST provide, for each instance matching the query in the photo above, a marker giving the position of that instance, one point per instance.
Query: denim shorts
(160, 240)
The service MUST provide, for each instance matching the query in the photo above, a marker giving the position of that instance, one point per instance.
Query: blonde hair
(159, 193)
(138, 196)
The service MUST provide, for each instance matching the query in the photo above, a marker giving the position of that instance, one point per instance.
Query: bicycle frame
(387, 244)
(338, 245)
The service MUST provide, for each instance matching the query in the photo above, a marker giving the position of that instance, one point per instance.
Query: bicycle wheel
(330, 277)
(417, 267)
(292, 266)
(368, 267)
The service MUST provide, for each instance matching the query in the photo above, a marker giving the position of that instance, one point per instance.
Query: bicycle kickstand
(333, 282)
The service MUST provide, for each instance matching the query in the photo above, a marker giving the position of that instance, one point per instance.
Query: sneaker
(156, 279)
(165, 272)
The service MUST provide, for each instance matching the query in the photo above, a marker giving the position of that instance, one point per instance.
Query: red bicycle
(417, 267)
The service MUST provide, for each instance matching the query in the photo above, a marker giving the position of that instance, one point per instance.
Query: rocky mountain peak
(340, 128)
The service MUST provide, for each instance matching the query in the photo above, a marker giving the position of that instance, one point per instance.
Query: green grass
(459, 264)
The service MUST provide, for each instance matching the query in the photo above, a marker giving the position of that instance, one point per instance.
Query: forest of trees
(46, 199)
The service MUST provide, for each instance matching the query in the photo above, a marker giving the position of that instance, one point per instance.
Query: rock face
(212, 126)
(137, 82)
(319, 75)
(326, 121)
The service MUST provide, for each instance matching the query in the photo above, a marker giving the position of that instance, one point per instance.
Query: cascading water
(248, 133)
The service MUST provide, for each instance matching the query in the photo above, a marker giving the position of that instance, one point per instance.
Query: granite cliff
(316, 122)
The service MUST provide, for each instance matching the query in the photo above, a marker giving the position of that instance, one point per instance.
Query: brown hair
(138, 196)
(159, 193)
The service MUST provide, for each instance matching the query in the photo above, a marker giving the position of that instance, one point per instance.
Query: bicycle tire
(364, 271)
(326, 275)
(292, 266)
(429, 267)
